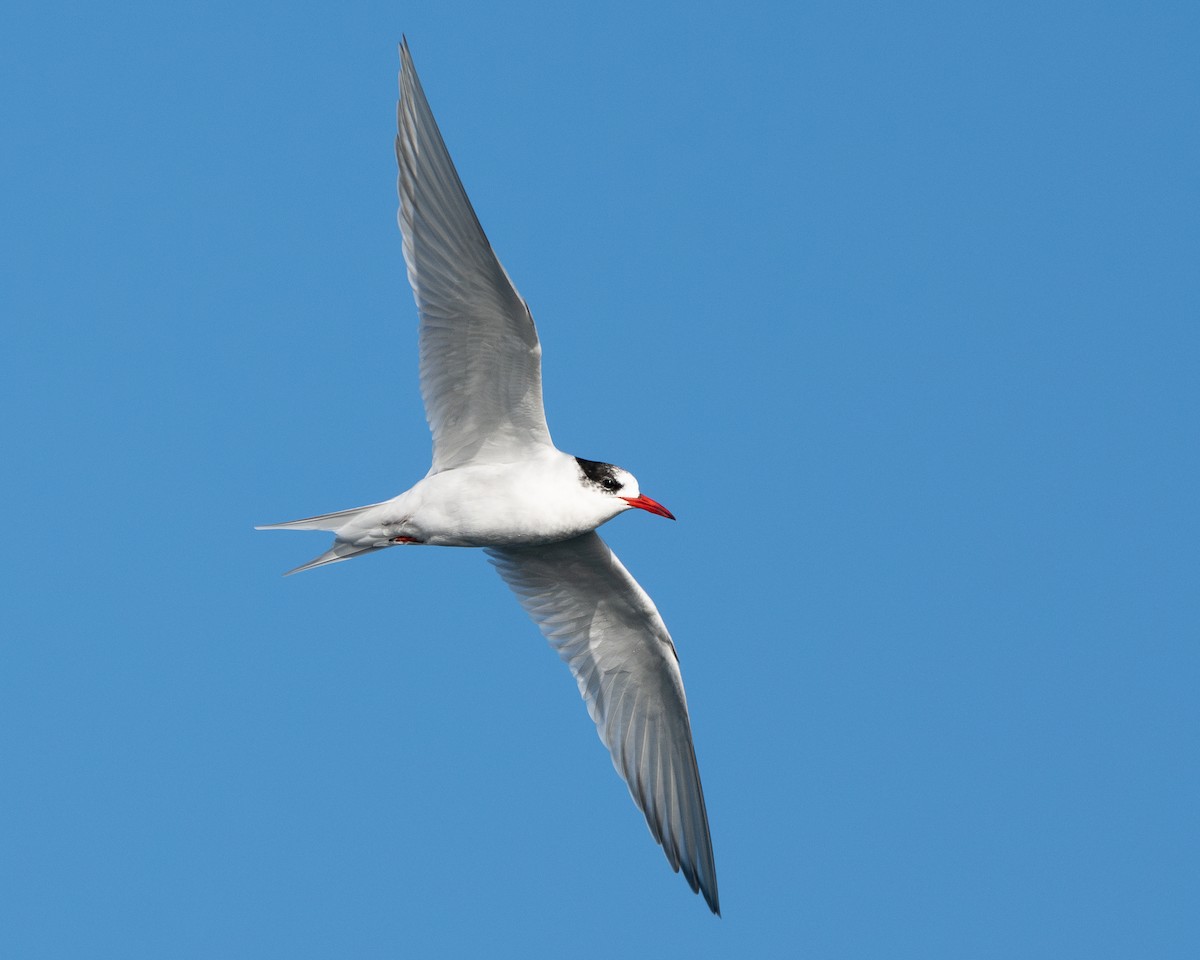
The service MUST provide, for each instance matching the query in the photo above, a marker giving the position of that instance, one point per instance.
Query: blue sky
(894, 305)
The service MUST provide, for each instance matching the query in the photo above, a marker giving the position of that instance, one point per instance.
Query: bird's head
(609, 480)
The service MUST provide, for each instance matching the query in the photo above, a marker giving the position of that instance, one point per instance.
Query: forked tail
(334, 523)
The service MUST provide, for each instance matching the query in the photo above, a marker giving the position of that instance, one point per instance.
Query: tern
(498, 482)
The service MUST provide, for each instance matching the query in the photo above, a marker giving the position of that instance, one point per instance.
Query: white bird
(498, 482)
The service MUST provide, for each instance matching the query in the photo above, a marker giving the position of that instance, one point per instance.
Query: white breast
(485, 505)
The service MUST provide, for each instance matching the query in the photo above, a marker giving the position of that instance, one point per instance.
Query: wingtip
(707, 889)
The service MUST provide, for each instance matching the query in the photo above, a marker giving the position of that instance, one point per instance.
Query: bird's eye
(610, 483)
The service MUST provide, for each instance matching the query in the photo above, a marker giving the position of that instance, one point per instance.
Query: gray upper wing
(611, 636)
(481, 373)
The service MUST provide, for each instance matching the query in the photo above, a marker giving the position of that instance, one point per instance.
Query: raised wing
(609, 633)
(481, 363)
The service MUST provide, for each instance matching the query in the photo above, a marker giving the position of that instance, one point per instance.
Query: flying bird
(498, 482)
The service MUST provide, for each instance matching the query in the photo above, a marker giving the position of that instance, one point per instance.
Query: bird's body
(498, 482)
(535, 501)
(512, 504)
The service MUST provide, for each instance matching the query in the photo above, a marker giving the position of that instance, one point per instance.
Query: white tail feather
(336, 554)
(326, 521)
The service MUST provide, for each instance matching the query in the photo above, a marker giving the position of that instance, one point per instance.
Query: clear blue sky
(894, 305)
